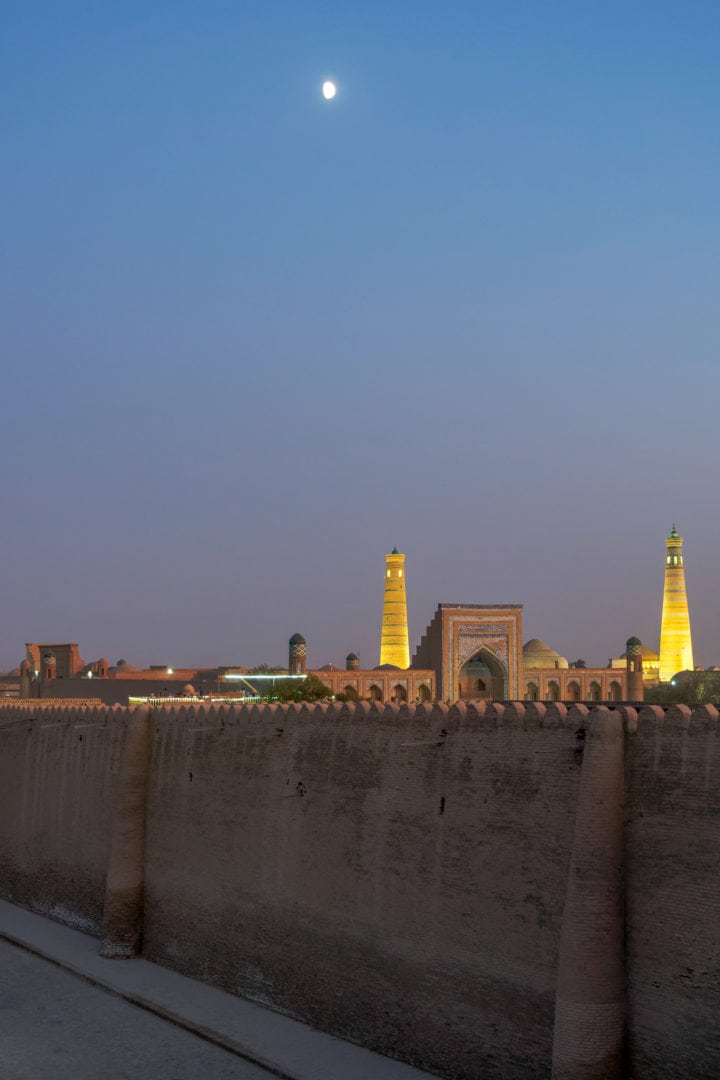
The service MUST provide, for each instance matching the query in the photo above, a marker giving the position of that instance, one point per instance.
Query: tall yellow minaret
(675, 641)
(394, 641)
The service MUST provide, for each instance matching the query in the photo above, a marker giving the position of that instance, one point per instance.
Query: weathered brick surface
(672, 836)
(57, 787)
(590, 1007)
(401, 876)
(373, 876)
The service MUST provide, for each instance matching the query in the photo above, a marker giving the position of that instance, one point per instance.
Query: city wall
(58, 778)
(485, 891)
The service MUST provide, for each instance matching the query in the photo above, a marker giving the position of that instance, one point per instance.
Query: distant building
(475, 651)
(58, 671)
(10, 684)
(650, 664)
(547, 676)
(383, 683)
(676, 652)
(468, 651)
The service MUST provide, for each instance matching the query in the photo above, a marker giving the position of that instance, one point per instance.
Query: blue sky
(253, 339)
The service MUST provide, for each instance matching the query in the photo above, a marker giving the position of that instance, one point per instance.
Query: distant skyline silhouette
(252, 339)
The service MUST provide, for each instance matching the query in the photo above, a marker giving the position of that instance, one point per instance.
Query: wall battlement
(501, 888)
(533, 713)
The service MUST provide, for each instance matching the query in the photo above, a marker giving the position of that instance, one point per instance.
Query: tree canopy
(308, 689)
(689, 687)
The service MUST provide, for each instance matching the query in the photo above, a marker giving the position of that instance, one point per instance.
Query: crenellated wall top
(513, 714)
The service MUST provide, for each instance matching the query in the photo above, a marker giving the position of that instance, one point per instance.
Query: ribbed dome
(297, 639)
(536, 654)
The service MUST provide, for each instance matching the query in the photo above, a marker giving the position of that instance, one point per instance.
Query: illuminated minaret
(394, 641)
(675, 641)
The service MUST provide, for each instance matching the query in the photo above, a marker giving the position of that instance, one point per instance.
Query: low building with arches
(384, 683)
(547, 676)
(575, 684)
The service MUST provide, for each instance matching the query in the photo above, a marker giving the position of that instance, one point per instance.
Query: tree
(309, 689)
(687, 688)
(266, 669)
(578, 664)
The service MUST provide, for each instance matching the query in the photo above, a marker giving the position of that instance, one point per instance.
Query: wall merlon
(650, 716)
(537, 711)
(578, 715)
(678, 716)
(391, 711)
(495, 713)
(515, 714)
(439, 712)
(475, 709)
(704, 719)
(630, 718)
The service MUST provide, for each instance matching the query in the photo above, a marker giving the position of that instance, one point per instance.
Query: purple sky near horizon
(252, 339)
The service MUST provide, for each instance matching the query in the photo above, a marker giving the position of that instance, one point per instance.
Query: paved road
(55, 1026)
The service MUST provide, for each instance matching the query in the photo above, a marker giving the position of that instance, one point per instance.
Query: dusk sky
(252, 339)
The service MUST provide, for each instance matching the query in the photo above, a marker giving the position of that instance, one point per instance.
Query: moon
(329, 90)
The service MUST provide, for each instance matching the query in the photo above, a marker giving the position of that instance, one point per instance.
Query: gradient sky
(252, 339)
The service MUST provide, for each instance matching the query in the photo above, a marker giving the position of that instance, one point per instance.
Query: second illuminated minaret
(675, 640)
(394, 640)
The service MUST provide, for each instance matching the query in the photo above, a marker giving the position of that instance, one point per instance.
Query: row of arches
(375, 692)
(573, 691)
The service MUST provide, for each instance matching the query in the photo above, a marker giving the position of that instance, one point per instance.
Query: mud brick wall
(57, 787)
(396, 877)
(672, 860)
(431, 882)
